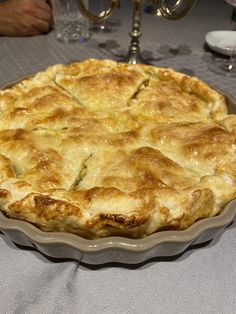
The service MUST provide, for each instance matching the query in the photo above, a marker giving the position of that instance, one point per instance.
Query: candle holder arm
(172, 12)
(114, 4)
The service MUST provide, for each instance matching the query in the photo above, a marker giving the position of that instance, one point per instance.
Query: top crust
(100, 148)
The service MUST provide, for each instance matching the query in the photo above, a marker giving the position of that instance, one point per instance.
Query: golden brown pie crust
(100, 148)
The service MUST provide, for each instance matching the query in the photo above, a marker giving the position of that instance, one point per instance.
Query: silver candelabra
(170, 9)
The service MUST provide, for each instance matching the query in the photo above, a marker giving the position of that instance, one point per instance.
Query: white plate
(232, 2)
(221, 41)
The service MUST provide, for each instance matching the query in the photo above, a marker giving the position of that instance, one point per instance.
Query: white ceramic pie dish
(222, 42)
(118, 249)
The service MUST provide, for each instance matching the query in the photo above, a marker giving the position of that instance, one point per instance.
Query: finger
(32, 32)
(41, 26)
(43, 5)
(43, 15)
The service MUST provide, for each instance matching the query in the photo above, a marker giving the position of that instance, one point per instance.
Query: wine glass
(224, 43)
(101, 26)
(225, 66)
(105, 26)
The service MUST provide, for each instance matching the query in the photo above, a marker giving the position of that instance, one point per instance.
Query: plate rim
(217, 48)
(231, 2)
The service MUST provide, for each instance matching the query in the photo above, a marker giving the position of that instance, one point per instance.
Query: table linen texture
(202, 279)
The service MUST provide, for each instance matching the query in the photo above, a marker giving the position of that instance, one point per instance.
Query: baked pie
(99, 148)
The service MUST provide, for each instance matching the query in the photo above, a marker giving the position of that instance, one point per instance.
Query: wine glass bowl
(105, 25)
(223, 65)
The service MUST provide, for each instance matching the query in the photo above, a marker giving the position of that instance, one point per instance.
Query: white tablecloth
(201, 280)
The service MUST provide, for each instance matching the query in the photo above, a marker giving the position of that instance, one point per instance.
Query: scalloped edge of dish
(168, 243)
(116, 249)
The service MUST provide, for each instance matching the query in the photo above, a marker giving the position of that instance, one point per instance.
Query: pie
(100, 148)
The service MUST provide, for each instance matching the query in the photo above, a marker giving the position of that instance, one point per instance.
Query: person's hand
(25, 17)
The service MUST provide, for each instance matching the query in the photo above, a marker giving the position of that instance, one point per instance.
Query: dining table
(202, 279)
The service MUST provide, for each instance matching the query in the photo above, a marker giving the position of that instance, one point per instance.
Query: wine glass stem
(232, 59)
(102, 7)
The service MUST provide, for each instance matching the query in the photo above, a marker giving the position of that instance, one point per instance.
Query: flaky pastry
(100, 148)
